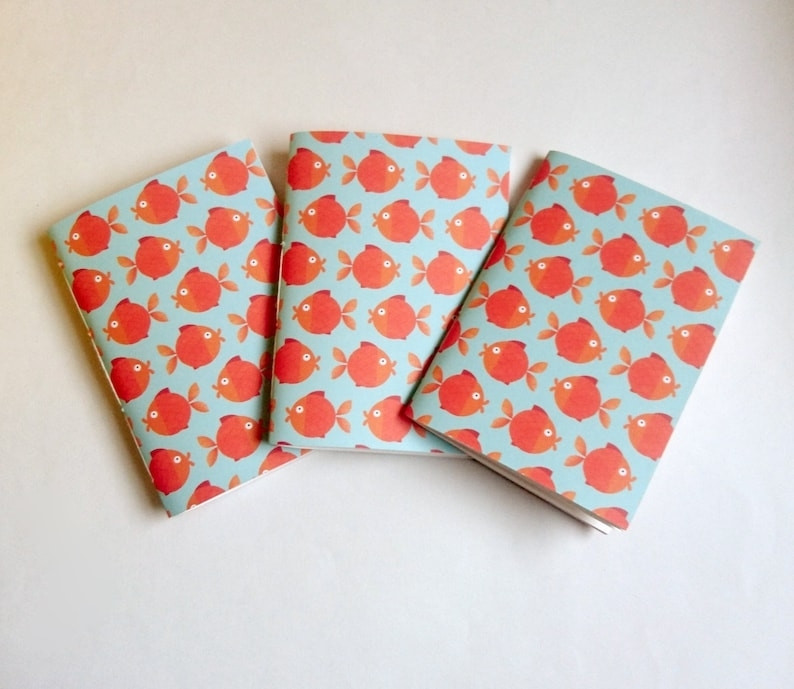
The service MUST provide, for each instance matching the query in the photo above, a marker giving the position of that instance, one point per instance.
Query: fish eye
(623, 471)
(312, 259)
(613, 298)
(249, 425)
(236, 217)
(709, 292)
(153, 414)
(726, 247)
(463, 175)
(593, 343)
(253, 262)
(381, 311)
(75, 236)
(114, 324)
(166, 246)
(306, 356)
(382, 361)
(496, 349)
(667, 379)
(655, 215)
(207, 334)
(376, 413)
(97, 278)
(299, 409)
(183, 291)
(542, 265)
(391, 168)
(311, 211)
(317, 164)
(567, 385)
(224, 381)
(459, 270)
(522, 309)
(387, 264)
(475, 395)
(586, 184)
(305, 307)
(142, 204)
(548, 433)
(177, 459)
(458, 223)
(385, 215)
(637, 258)
(137, 367)
(684, 333)
(567, 226)
(641, 423)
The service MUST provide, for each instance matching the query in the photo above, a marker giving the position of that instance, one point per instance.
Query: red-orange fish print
(129, 322)
(368, 365)
(399, 222)
(169, 469)
(169, 412)
(553, 276)
(306, 170)
(301, 264)
(294, 362)
(90, 234)
(649, 433)
(733, 257)
(326, 217)
(91, 288)
(597, 194)
(313, 416)
(395, 318)
(577, 341)
(460, 394)
(130, 377)
(320, 313)
(200, 291)
(667, 225)
(449, 179)
(228, 175)
(580, 398)
(385, 420)
(159, 203)
(506, 308)
(605, 469)
(552, 225)
(531, 430)
(372, 267)
(621, 256)
(649, 377)
(377, 172)
(692, 290)
(692, 343)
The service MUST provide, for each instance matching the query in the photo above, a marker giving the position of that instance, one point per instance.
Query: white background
(375, 570)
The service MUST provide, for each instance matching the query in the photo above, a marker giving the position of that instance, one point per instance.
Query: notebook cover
(586, 332)
(382, 236)
(175, 278)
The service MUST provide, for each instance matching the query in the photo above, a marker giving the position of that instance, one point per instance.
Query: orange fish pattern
(584, 335)
(176, 276)
(382, 236)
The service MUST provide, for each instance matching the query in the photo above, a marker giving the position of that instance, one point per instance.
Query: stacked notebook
(390, 313)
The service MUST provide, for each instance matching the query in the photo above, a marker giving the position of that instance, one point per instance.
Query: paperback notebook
(175, 278)
(382, 235)
(587, 330)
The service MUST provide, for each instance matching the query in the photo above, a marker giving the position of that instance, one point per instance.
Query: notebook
(586, 333)
(175, 279)
(382, 235)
